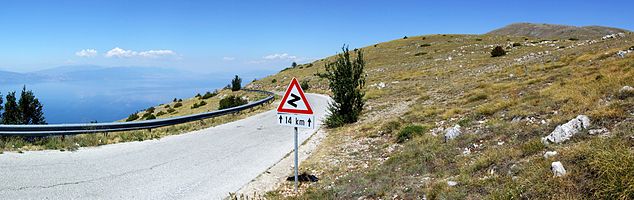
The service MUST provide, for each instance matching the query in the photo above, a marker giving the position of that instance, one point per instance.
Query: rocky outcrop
(452, 132)
(566, 131)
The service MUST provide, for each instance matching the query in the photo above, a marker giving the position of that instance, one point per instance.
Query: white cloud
(228, 58)
(86, 53)
(122, 53)
(156, 53)
(280, 56)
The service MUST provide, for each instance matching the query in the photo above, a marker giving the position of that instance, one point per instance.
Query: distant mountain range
(556, 31)
(95, 73)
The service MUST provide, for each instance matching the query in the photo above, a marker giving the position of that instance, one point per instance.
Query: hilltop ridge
(555, 31)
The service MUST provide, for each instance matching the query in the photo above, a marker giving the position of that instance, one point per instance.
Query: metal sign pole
(296, 165)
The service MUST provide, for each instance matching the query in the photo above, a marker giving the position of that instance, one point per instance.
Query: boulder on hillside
(566, 131)
(549, 154)
(558, 169)
(626, 92)
(452, 132)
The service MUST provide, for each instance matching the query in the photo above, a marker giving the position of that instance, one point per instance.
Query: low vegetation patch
(231, 101)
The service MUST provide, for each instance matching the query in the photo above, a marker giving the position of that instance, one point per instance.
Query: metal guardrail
(73, 129)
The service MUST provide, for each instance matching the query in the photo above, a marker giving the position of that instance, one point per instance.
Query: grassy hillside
(421, 86)
(193, 105)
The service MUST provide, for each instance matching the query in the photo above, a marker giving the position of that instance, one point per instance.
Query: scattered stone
(626, 92)
(452, 132)
(549, 154)
(566, 131)
(466, 151)
(612, 36)
(600, 131)
(622, 53)
(452, 183)
(558, 169)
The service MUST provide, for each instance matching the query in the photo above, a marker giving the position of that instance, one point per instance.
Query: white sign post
(295, 111)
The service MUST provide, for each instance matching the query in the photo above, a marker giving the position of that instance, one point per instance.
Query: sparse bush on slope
(231, 101)
(346, 81)
(132, 117)
(498, 51)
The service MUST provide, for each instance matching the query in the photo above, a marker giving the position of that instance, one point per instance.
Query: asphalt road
(204, 164)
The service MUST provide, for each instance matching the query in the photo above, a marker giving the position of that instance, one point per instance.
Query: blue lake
(105, 101)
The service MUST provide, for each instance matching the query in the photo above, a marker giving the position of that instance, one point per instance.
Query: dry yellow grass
(451, 79)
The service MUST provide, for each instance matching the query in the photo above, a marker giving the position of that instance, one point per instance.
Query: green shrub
(198, 95)
(179, 104)
(425, 45)
(199, 104)
(166, 106)
(405, 37)
(146, 115)
(304, 85)
(161, 113)
(132, 117)
(171, 110)
(532, 147)
(231, 101)
(209, 95)
(150, 116)
(390, 127)
(478, 39)
(420, 53)
(409, 132)
(274, 81)
(150, 110)
(498, 51)
(517, 44)
(478, 97)
(573, 39)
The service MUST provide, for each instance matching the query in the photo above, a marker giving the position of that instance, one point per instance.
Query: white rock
(566, 131)
(466, 151)
(381, 85)
(549, 154)
(452, 183)
(558, 169)
(626, 89)
(452, 132)
(600, 131)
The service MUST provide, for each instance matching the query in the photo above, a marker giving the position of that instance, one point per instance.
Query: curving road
(204, 164)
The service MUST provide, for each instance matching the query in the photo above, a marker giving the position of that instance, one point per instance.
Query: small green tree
(30, 108)
(346, 81)
(236, 83)
(11, 113)
(294, 65)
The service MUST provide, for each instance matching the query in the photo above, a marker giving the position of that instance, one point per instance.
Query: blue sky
(214, 36)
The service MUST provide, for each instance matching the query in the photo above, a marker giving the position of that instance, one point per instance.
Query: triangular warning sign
(294, 100)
